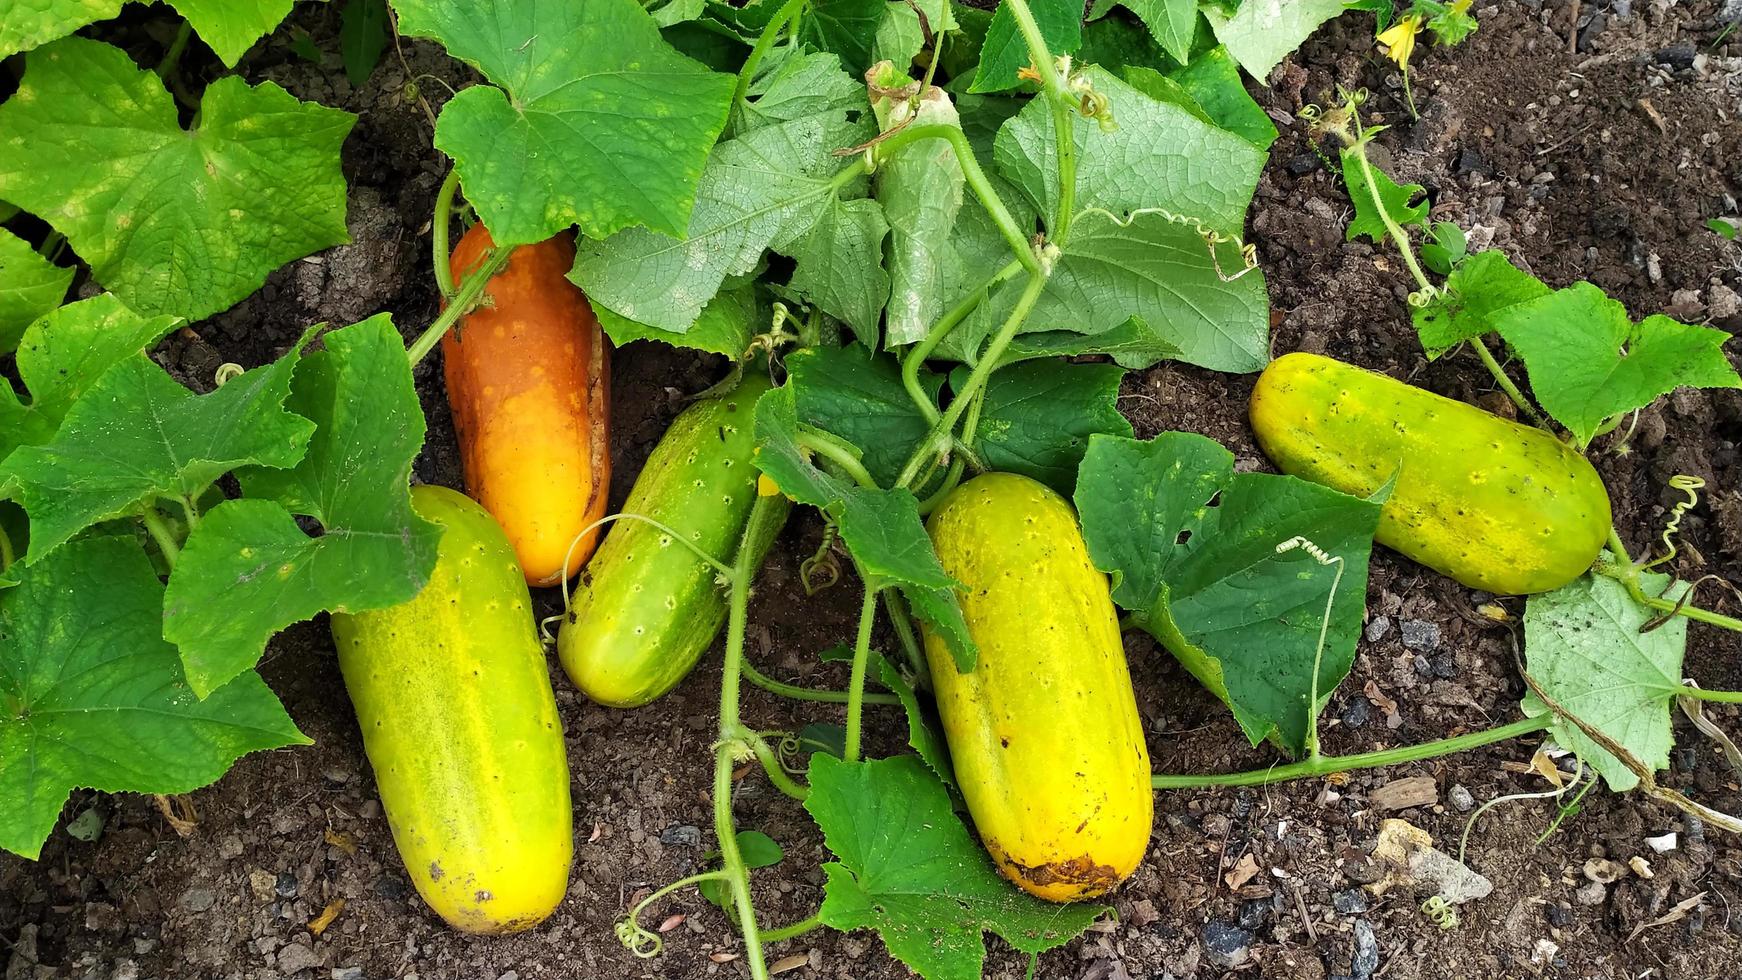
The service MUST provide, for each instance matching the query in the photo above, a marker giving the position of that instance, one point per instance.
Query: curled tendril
(226, 372)
(823, 561)
(1422, 297)
(1441, 912)
(637, 940)
(1690, 485)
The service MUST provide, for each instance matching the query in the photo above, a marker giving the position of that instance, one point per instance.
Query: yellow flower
(1461, 6)
(1399, 40)
(766, 487)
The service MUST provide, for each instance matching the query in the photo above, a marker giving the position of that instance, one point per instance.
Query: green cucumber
(1491, 503)
(647, 607)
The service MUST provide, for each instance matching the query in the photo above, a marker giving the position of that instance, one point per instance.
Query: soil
(1599, 163)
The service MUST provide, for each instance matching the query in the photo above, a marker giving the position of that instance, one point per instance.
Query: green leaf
(764, 189)
(230, 27)
(598, 121)
(1395, 199)
(25, 25)
(858, 396)
(1161, 157)
(1476, 289)
(137, 435)
(1727, 227)
(671, 13)
(792, 86)
(1173, 22)
(1159, 271)
(1004, 52)
(62, 355)
(1192, 548)
(881, 528)
(1039, 415)
(247, 570)
(758, 850)
(1587, 361)
(924, 729)
(725, 325)
(1115, 41)
(900, 38)
(91, 695)
(920, 189)
(172, 221)
(1161, 88)
(1582, 644)
(1213, 79)
(843, 27)
(362, 38)
(1131, 345)
(1264, 32)
(907, 868)
(839, 264)
(30, 286)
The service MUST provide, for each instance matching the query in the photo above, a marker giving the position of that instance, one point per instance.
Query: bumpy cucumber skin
(646, 607)
(1491, 503)
(528, 377)
(453, 695)
(1044, 732)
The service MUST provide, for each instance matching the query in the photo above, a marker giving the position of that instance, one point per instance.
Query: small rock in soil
(262, 883)
(391, 888)
(348, 973)
(681, 835)
(1226, 946)
(1366, 958)
(198, 899)
(1420, 635)
(1445, 666)
(285, 886)
(1677, 56)
(1349, 901)
(1461, 798)
(296, 958)
(1471, 161)
(1253, 914)
(1358, 712)
(1303, 164)
(1559, 916)
(1590, 893)
(1377, 627)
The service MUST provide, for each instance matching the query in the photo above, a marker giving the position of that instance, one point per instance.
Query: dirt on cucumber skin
(141, 902)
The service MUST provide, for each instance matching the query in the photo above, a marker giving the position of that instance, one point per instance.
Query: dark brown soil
(1601, 164)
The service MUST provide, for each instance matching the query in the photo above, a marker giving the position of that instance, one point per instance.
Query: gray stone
(285, 885)
(1461, 798)
(1226, 945)
(681, 835)
(1350, 901)
(198, 899)
(1377, 627)
(348, 973)
(1366, 957)
(298, 957)
(1591, 893)
(1420, 635)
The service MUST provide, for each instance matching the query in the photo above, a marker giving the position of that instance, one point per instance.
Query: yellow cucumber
(1496, 505)
(454, 699)
(647, 607)
(1044, 732)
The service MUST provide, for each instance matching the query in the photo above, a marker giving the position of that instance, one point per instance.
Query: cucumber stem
(917, 354)
(764, 511)
(798, 693)
(1626, 571)
(1325, 765)
(896, 607)
(861, 657)
(793, 931)
(771, 765)
(172, 57)
(1705, 694)
(1056, 92)
(1507, 386)
(470, 293)
(160, 532)
(440, 264)
(764, 43)
(976, 179)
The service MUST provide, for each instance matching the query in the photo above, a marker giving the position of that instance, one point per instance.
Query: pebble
(348, 973)
(1591, 893)
(1559, 916)
(198, 899)
(1303, 163)
(1253, 914)
(1677, 56)
(681, 835)
(1461, 798)
(1349, 901)
(1377, 627)
(1358, 712)
(297, 957)
(1226, 946)
(510, 975)
(1420, 635)
(285, 886)
(1366, 958)
(390, 888)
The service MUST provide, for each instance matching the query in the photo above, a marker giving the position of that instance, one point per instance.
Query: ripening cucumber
(453, 695)
(646, 607)
(1044, 733)
(1496, 505)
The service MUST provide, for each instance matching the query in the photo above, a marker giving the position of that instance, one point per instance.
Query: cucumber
(646, 607)
(1044, 733)
(1491, 503)
(453, 695)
